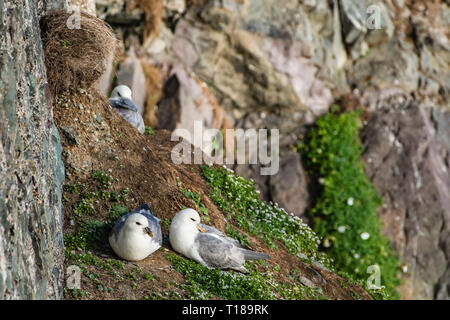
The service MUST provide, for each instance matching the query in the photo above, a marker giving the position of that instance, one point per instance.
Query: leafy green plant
(149, 131)
(236, 234)
(197, 198)
(102, 178)
(344, 214)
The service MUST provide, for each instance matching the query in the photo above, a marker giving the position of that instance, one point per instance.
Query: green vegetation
(148, 276)
(66, 43)
(344, 214)
(90, 233)
(149, 131)
(236, 234)
(167, 295)
(197, 198)
(203, 283)
(239, 197)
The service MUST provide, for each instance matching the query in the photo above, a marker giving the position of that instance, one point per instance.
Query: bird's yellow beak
(201, 229)
(148, 231)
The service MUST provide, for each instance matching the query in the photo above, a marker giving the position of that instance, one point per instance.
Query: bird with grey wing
(121, 102)
(207, 245)
(136, 234)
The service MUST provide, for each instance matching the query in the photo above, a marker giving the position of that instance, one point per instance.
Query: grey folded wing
(123, 103)
(153, 222)
(128, 110)
(133, 118)
(156, 229)
(213, 230)
(119, 225)
(216, 252)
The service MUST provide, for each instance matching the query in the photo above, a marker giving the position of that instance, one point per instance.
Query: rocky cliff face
(242, 64)
(31, 170)
(407, 159)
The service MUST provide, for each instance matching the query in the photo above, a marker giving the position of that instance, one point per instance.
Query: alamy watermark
(73, 280)
(374, 280)
(230, 146)
(74, 20)
(373, 20)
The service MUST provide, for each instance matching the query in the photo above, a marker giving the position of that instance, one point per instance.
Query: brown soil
(146, 169)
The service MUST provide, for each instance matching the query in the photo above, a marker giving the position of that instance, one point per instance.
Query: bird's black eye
(138, 223)
(192, 219)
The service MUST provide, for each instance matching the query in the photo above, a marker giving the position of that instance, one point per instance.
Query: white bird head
(121, 91)
(188, 218)
(137, 223)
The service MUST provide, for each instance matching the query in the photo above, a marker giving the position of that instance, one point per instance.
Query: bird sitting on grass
(136, 234)
(121, 102)
(207, 245)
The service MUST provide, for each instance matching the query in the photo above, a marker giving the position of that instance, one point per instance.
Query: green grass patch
(204, 283)
(90, 233)
(344, 214)
(149, 131)
(197, 198)
(236, 234)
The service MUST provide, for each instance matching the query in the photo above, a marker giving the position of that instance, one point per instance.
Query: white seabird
(136, 234)
(207, 245)
(121, 102)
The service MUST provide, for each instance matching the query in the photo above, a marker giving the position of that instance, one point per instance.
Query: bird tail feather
(255, 255)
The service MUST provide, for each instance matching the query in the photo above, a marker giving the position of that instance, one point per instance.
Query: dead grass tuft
(75, 58)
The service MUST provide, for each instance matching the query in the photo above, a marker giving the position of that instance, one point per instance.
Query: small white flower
(356, 256)
(341, 229)
(326, 243)
(322, 181)
(365, 236)
(350, 201)
(405, 268)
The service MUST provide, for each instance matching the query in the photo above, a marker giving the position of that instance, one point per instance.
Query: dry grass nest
(76, 58)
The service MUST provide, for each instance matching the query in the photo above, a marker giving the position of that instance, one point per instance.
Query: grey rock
(187, 103)
(262, 55)
(288, 187)
(305, 281)
(31, 170)
(71, 135)
(405, 159)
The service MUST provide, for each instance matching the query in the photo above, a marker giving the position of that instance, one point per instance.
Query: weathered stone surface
(406, 161)
(84, 5)
(71, 135)
(188, 102)
(31, 170)
(288, 187)
(253, 57)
